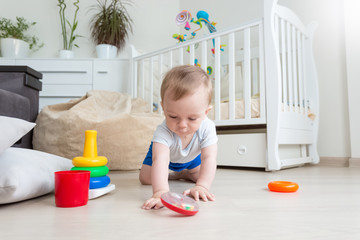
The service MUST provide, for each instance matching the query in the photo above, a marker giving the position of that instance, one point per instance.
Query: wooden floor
(326, 206)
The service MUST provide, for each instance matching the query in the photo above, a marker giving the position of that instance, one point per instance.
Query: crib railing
(292, 37)
(244, 48)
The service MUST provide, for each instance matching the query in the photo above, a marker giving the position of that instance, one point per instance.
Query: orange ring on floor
(283, 186)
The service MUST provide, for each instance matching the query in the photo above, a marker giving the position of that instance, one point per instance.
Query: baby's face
(185, 115)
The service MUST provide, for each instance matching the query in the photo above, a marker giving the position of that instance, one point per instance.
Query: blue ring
(99, 182)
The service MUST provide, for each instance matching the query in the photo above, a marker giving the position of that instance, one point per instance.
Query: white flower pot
(66, 54)
(14, 48)
(106, 51)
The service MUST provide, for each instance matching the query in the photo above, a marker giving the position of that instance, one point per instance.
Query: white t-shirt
(203, 137)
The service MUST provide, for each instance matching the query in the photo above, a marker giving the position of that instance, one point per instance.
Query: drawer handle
(241, 150)
(63, 71)
(102, 72)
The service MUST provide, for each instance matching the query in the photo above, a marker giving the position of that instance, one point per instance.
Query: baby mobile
(184, 17)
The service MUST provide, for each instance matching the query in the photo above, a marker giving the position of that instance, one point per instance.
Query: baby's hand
(154, 202)
(199, 192)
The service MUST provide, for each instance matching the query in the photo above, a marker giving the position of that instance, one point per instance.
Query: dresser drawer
(61, 71)
(111, 75)
(242, 150)
(68, 90)
(5, 61)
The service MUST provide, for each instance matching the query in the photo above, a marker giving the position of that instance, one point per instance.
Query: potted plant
(110, 27)
(68, 30)
(15, 42)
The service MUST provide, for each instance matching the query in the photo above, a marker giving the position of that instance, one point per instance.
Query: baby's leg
(187, 174)
(194, 173)
(145, 174)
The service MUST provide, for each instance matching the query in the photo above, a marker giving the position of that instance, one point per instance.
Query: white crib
(265, 104)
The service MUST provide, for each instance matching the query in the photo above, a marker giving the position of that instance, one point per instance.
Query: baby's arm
(206, 176)
(159, 175)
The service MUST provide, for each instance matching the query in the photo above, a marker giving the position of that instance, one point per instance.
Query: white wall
(151, 23)
(352, 39)
(154, 23)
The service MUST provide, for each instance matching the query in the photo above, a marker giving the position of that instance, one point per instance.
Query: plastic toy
(203, 17)
(180, 37)
(94, 193)
(90, 157)
(196, 62)
(99, 182)
(180, 203)
(94, 171)
(183, 17)
(221, 49)
(187, 26)
(71, 188)
(283, 186)
(90, 161)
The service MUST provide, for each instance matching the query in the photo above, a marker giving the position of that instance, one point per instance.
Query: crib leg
(272, 155)
(313, 153)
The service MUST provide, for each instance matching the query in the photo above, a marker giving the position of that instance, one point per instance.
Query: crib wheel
(283, 186)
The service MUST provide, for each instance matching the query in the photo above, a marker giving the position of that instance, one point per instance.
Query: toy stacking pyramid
(90, 161)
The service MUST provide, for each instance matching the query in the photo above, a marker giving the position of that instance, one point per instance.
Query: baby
(186, 141)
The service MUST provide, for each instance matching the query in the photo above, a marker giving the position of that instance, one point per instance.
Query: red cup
(71, 188)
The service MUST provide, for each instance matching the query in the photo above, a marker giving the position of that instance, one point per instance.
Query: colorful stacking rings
(283, 186)
(90, 161)
(99, 182)
(94, 171)
(97, 161)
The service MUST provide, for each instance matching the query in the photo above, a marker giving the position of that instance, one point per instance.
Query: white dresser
(65, 79)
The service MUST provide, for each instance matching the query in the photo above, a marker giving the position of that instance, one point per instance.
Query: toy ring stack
(90, 161)
(95, 171)
(90, 157)
(180, 203)
(283, 186)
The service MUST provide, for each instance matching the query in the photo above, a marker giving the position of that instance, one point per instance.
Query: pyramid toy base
(97, 192)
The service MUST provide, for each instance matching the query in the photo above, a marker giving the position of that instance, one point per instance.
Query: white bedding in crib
(239, 109)
(255, 110)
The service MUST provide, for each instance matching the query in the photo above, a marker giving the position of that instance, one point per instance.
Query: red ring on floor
(283, 186)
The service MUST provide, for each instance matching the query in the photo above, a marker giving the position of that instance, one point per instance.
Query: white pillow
(12, 129)
(27, 173)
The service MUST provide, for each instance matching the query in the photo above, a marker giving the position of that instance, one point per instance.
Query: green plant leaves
(111, 24)
(68, 34)
(9, 29)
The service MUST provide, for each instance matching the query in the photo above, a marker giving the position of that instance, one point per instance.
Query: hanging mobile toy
(203, 16)
(183, 18)
(196, 63)
(221, 48)
(180, 37)
(209, 70)
(180, 203)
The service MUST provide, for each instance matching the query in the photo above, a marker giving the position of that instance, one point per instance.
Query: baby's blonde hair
(183, 80)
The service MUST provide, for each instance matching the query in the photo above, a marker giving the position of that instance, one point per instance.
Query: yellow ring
(89, 162)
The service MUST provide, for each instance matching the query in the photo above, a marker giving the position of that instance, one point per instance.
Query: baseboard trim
(334, 161)
(354, 162)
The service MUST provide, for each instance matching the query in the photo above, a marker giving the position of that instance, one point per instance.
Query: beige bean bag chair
(124, 128)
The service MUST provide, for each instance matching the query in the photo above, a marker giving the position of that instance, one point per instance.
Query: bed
(265, 103)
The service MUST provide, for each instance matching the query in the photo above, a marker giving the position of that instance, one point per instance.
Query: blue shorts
(177, 167)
